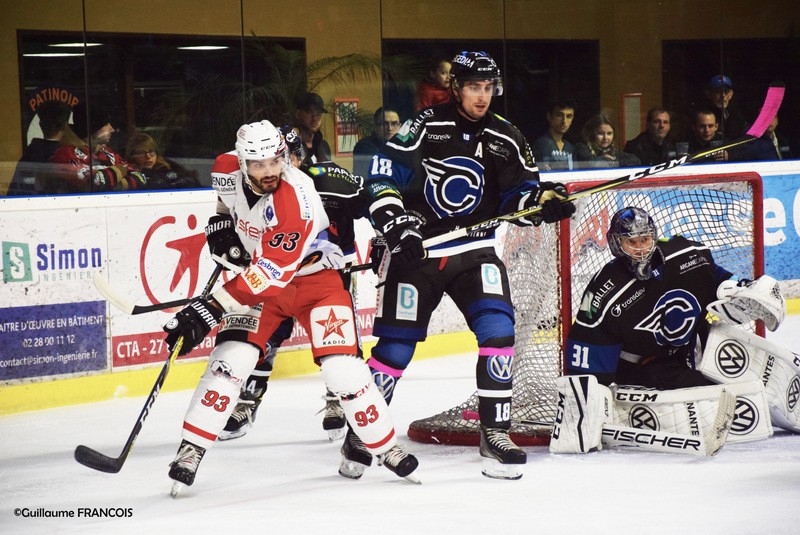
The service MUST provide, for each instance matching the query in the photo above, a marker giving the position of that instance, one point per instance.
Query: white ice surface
(282, 477)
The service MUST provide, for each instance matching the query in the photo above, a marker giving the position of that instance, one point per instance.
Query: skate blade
(412, 477)
(351, 469)
(336, 434)
(230, 435)
(494, 469)
(177, 487)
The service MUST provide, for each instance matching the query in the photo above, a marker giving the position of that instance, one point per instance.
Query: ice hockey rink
(282, 476)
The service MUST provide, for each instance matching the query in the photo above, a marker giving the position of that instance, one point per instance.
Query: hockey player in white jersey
(281, 222)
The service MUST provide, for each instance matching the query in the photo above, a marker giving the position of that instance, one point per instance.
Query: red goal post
(549, 268)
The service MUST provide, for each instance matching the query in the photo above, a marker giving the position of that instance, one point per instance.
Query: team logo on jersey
(745, 417)
(332, 326)
(500, 368)
(454, 186)
(673, 318)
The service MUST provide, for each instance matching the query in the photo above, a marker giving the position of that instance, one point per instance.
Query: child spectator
(435, 89)
(598, 146)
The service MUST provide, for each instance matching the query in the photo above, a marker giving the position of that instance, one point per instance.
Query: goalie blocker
(732, 355)
(693, 421)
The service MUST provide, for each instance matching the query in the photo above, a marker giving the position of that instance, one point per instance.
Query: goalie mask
(627, 225)
(258, 141)
(475, 66)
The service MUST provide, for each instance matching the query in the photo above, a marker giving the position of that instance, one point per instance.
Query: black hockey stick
(133, 310)
(768, 111)
(98, 461)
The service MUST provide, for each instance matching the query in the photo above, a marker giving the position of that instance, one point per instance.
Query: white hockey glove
(748, 300)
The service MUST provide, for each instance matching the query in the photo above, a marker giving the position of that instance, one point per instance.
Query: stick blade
(111, 296)
(97, 461)
(768, 110)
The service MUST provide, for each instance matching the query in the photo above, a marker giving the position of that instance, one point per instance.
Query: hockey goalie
(659, 356)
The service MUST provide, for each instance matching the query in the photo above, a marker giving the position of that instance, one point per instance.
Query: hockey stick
(133, 310)
(768, 111)
(98, 461)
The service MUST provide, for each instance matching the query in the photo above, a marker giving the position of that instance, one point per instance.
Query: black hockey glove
(193, 323)
(376, 252)
(223, 242)
(550, 196)
(403, 238)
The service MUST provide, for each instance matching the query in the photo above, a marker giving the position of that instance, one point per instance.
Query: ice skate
(401, 463)
(333, 421)
(242, 417)
(502, 459)
(355, 457)
(183, 469)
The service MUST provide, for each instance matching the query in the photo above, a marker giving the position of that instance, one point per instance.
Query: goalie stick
(133, 310)
(98, 461)
(768, 111)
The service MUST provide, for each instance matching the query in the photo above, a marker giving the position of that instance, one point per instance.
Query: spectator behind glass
(91, 165)
(161, 173)
(654, 145)
(435, 89)
(597, 149)
(719, 98)
(386, 123)
(308, 121)
(770, 146)
(551, 150)
(705, 135)
(53, 119)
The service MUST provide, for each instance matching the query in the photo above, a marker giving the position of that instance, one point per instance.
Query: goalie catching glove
(746, 300)
(224, 243)
(193, 323)
(551, 197)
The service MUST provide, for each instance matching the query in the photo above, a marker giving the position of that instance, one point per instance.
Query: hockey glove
(376, 251)
(193, 323)
(223, 242)
(403, 238)
(550, 196)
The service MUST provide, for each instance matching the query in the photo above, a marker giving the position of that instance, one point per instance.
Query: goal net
(550, 266)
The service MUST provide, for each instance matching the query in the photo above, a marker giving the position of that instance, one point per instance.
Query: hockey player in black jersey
(455, 165)
(642, 313)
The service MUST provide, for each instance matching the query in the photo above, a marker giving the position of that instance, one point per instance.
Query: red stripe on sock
(376, 445)
(199, 432)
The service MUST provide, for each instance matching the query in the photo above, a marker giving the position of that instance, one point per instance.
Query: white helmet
(258, 141)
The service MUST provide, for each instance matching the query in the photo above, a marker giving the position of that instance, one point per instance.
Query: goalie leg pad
(687, 420)
(732, 355)
(752, 419)
(216, 395)
(584, 406)
(349, 378)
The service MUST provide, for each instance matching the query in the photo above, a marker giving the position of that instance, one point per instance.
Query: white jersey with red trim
(285, 232)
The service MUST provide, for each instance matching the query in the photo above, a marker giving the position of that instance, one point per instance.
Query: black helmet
(631, 222)
(475, 66)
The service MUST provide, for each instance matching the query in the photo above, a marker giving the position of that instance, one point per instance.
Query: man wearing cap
(308, 120)
(719, 93)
